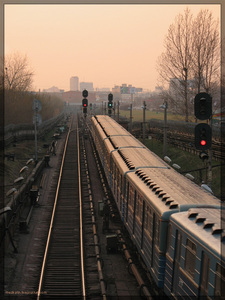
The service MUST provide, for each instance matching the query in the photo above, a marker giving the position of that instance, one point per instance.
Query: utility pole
(210, 160)
(165, 130)
(185, 94)
(105, 109)
(144, 108)
(131, 118)
(36, 107)
(118, 111)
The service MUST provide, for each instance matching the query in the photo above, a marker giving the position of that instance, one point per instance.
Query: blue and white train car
(195, 256)
(147, 191)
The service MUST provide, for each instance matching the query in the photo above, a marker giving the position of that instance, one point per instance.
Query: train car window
(190, 258)
(131, 197)
(157, 228)
(140, 207)
(169, 233)
(204, 274)
(128, 193)
(219, 291)
(137, 206)
(148, 219)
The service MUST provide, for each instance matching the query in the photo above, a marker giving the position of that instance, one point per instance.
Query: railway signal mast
(110, 104)
(85, 102)
(203, 131)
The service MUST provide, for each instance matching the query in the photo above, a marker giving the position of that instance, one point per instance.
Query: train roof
(162, 185)
(204, 226)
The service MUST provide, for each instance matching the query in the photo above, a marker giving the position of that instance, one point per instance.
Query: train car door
(128, 194)
(176, 263)
(204, 277)
(153, 240)
(134, 215)
(143, 222)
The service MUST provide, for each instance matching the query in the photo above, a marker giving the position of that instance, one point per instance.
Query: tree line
(18, 98)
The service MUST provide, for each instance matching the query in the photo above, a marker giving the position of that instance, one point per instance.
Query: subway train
(175, 225)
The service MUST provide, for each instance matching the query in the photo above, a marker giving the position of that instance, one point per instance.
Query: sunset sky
(104, 44)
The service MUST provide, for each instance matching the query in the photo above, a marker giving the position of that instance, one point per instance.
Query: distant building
(86, 86)
(76, 97)
(53, 89)
(116, 89)
(102, 89)
(74, 83)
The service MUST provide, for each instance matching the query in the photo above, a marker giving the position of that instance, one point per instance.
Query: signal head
(203, 106)
(110, 97)
(85, 93)
(203, 136)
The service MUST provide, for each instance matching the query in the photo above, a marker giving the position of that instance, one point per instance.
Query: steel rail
(81, 221)
(52, 219)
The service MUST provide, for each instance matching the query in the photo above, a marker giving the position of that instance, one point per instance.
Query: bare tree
(175, 63)
(190, 62)
(206, 54)
(17, 73)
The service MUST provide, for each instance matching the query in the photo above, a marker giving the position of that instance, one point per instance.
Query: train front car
(195, 259)
(154, 192)
(147, 192)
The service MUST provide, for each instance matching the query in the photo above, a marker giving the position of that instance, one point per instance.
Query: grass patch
(138, 115)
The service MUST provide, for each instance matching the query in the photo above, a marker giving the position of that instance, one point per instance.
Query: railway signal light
(84, 105)
(203, 136)
(110, 97)
(85, 93)
(85, 102)
(110, 103)
(203, 106)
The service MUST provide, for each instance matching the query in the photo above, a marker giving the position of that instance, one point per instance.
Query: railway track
(184, 141)
(63, 273)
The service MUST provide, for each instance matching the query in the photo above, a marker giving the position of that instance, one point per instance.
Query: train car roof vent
(161, 194)
(144, 177)
(173, 205)
(208, 224)
(141, 174)
(155, 188)
(152, 185)
(138, 171)
(216, 229)
(192, 214)
(148, 180)
(158, 191)
(200, 219)
(168, 201)
(164, 198)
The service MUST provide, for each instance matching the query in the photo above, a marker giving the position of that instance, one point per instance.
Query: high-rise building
(74, 83)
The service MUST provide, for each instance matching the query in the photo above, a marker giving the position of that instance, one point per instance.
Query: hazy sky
(104, 44)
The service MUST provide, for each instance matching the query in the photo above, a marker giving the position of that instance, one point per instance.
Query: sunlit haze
(104, 44)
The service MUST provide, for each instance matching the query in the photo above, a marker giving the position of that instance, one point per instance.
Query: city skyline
(105, 44)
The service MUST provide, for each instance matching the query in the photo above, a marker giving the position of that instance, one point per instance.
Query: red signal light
(85, 105)
(203, 142)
